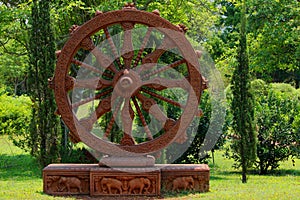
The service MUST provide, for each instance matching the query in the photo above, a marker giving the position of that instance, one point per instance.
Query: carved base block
(177, 177)
(67, 179)
(90, 179)
(125, 181)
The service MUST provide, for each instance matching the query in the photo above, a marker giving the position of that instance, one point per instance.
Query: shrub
(15, 113)
(277, 118)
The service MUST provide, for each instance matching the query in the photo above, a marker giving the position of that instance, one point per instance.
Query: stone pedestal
(92, 180)
(67, 179)
(191, 177)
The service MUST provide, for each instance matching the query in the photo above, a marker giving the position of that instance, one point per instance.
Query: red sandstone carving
(186, 182)
(68, 183)
(133, 77)
(109, 184)
(139, 183)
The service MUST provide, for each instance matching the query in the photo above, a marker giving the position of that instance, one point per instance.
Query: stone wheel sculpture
(127, 81)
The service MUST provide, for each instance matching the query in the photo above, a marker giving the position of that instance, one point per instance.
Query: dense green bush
(277, 120)
(15, 113)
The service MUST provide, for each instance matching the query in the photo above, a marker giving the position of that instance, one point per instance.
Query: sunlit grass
(21, 178)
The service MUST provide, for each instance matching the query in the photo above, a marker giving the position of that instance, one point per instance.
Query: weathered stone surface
(141, 161)
(125, 181)
(192, 177)
(90, 179)
(67, 179)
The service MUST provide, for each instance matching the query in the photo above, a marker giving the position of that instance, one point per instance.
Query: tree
(13, 46)
(273, 39)
(275, 35)
(45, 126)
(277, 112)
(242, 105)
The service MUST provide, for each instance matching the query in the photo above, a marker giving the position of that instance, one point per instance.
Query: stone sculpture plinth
(92, 180)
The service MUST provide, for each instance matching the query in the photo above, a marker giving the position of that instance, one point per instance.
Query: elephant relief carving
(142, 184)
(109, 183)
(186, 182)
(69, 182)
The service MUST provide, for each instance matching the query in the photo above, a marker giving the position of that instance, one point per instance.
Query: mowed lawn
(20, 178)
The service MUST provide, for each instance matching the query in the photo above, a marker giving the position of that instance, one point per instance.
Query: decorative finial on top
(156, 12)
(129, 6)
(57, 53)
(73, 29)
(98, 12)
(182, 28)
(198, 53)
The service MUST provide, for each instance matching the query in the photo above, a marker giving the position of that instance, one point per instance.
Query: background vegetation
(27, 28)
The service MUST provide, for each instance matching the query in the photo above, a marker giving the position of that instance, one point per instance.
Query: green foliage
(275, 32)
(13, 46)
(45, 126)
(244, 142)
(14, 115)
(194, 154)
(273, 38)
(277, 115)
(277, 111)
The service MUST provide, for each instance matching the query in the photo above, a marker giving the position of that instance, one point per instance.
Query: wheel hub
(127, 83)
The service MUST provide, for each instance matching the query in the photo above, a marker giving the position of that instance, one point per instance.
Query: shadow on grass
(277, 172)
(18, 167)
(179, 195)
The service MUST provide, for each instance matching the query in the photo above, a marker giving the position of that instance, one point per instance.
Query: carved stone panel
(185, 177)
(126, 181)
(67, 179)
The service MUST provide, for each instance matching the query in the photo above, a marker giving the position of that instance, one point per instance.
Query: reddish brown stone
(193, 177)
(67, 179)
(125, 181)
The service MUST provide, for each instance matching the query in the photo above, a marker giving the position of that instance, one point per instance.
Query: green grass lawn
(20, 178)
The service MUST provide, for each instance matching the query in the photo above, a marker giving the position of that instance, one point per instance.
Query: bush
(277, 118)
(15, 114)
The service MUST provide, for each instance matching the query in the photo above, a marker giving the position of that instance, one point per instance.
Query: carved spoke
(127, 49)
(87, 100)
(102, 108)
(145, 41)
(170, 66)
(163, 98)
(112, 121)
(141, 116)
(104, 60)
(92, 83)
(86, 66)
(127, 116)
(150, 106)
(161, 83)
(113, 47)
(151, 59)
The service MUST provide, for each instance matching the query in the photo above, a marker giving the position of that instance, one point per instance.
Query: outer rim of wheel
(71, 47)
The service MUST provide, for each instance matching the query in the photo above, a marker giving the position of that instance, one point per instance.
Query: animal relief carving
(141, 184)
(109, 184)
(185, 183)
(69, 183)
